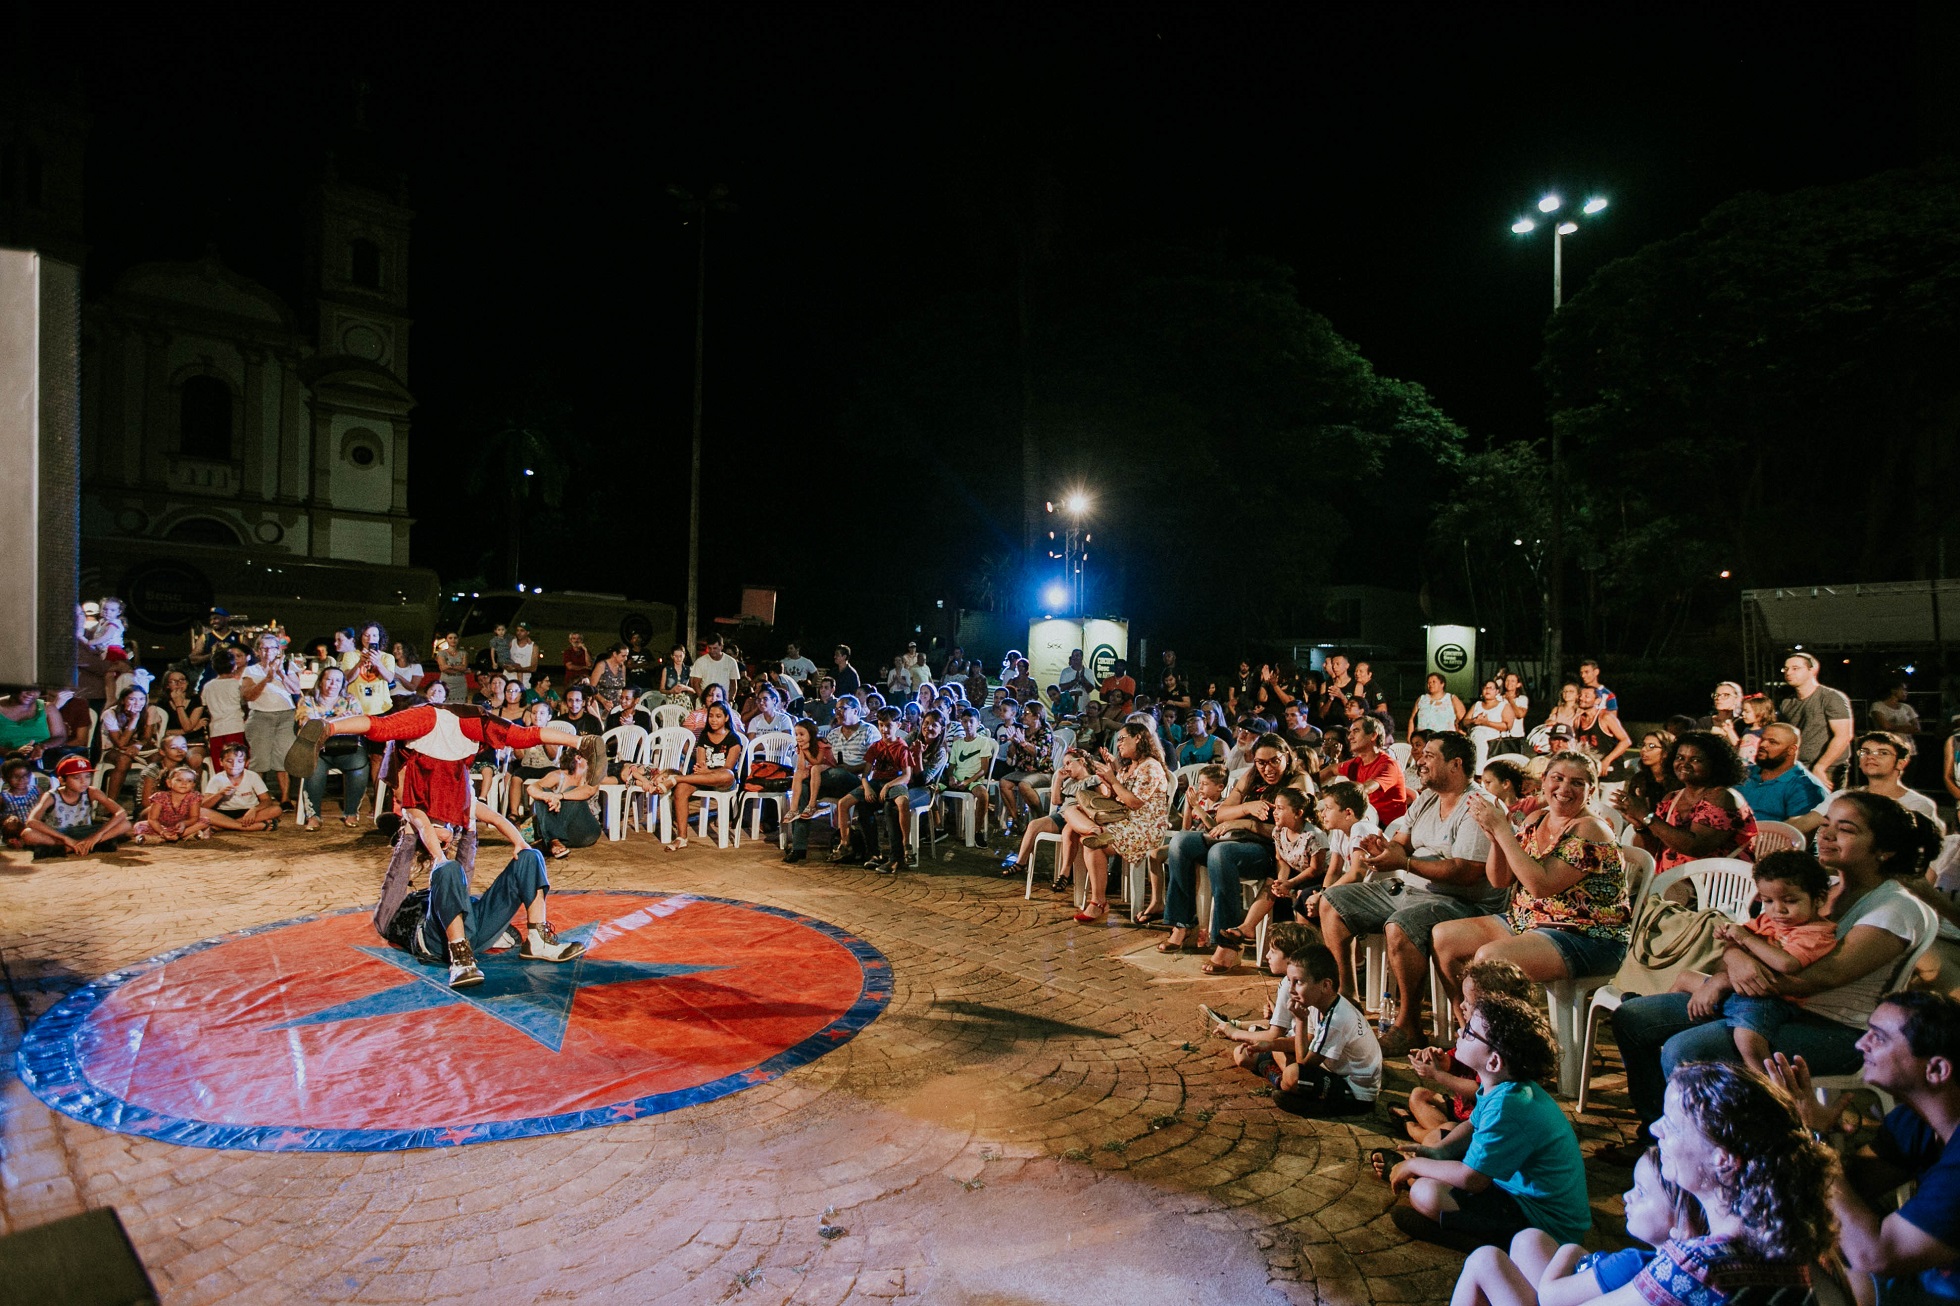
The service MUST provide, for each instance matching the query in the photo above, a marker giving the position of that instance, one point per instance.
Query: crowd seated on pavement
(1495, 866)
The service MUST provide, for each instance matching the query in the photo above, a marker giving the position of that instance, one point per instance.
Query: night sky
(1382, 155)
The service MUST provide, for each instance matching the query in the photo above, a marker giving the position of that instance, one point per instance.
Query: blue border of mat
(50, 1063)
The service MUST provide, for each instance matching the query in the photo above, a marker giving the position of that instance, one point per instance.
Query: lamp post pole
(1555, 572)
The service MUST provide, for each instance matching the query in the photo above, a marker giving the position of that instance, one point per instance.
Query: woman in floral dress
(1569, 913)
(1138, 780)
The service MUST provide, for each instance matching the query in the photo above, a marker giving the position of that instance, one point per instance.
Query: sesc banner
(1103, 642)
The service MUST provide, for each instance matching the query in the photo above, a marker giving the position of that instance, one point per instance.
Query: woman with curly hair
(1704, 817)
(1739, 1146)
(1139, 781)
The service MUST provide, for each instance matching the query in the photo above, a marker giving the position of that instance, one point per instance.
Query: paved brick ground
(1033, 1120)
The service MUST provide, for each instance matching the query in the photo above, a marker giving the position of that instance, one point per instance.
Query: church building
(213, 413)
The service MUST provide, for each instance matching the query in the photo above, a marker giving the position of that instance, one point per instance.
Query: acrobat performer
(438, 741)
(443, 922)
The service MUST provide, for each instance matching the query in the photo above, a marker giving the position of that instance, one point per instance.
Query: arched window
(204, 419)
(364, 264)
(202, 530)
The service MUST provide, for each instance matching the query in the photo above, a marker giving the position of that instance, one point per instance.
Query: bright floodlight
(1549, 204)
(1523, 225)
(1078, 503)
(1594, 205)
(1567, 228)
(1056, 595)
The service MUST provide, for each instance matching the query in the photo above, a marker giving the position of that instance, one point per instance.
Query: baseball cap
(219, 612)
(73, 766)
(92, 608)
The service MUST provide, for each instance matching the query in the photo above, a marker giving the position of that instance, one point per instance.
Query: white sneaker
(541, 944)
(510, 938)
(463, 972)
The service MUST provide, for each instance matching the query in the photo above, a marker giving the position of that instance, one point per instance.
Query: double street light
(1555, 572)
(1561, 228)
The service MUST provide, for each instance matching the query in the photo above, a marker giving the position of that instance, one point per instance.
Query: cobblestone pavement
(1034, 1120)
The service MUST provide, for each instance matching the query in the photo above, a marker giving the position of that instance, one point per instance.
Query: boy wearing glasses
(1524, 1169)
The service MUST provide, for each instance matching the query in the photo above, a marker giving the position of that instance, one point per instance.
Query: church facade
(214, 415)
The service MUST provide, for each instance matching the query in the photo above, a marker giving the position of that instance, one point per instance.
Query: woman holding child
(1238, 846)
(1140, 784)
(1874, 846)
(1569, 913)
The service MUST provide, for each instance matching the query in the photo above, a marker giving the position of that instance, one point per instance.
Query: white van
(604, 620)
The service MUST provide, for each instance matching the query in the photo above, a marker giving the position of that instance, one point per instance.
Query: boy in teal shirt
(1524, 1169)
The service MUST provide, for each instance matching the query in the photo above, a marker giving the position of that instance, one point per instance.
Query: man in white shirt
(714, 668)
(270, 690)
(1439, 859)
(797, 667)
(1881, 757)
(521, 656)
(1076, 685)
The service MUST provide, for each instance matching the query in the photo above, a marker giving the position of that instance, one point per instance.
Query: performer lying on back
(444, 922)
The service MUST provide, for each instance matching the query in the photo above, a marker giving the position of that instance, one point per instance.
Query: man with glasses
(1778, 788)
(1437, 863)
(1881, 759)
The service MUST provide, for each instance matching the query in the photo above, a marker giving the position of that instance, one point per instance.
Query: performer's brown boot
(304, 755)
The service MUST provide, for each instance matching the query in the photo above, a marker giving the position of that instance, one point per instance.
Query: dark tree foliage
(1780, 383)
(1239, 451)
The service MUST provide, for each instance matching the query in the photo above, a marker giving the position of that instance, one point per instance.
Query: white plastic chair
(723, 802)
(671, 748)
(969, 812)
(1714, 879)
(1566, 999)
(1034, 855)
(1058, 745)
(628, 744)
(668, 715)
(774, 746)
(1776, 837)
(1401, 752)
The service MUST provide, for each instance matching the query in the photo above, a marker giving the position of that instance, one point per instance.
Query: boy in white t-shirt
(236, 798)
(1336, 1067)
(220, 698)
(1284, 942)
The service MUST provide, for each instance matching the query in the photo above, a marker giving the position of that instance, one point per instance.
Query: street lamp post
(1075, 547)
(1554, 590)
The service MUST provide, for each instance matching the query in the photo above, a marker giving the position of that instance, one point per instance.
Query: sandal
(1144, 919)
(1232, 937)
(1213, 968)
(313, 824)
(559, 852)
(1384, 1160)
(351, 822)
(1092, 912)
(1169, 945)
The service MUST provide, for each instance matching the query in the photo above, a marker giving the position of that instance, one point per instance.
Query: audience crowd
(1495, 858)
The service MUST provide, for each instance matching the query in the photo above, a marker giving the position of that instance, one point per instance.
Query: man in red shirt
(1118, 690)
(1378, 773)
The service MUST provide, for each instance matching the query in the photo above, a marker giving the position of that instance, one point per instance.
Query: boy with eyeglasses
(1524, 1169)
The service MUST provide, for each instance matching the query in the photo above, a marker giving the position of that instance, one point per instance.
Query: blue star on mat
(532, 997)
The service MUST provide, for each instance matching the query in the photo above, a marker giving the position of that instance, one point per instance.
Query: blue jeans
(1226, 864)
(573, 824)
(1655, 1035)
(353, 770)
(484, 917)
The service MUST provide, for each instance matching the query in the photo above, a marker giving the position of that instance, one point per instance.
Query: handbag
(1666, 939)
(1101, 807)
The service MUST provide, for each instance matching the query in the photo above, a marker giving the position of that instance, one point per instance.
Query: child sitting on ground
(175, 811)
(1284, 942)
(1336, 1066)
(1786, 937)
(237, 799)
(1524, 1169)
(1299, 858)
(1539, 1272)
(74, 817)
(173, 752)
(18, 795)
(1438, 1118)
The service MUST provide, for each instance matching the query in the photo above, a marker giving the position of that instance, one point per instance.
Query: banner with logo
(1453, 656)
(1103, 641)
